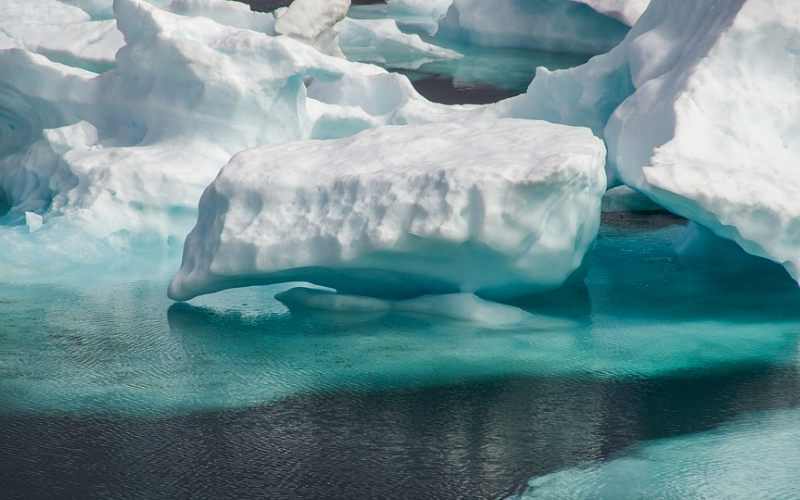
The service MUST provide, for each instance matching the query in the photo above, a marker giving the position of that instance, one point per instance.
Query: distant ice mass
(498, 208)
(549, 25)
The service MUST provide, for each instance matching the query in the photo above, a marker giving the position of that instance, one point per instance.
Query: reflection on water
(474, 440)
(109, 389)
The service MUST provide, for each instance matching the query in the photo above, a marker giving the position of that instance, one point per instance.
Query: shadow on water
(477, 440)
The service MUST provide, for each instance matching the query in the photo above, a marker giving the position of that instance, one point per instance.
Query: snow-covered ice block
(550, 25)
(712, 131)
(499, 208)
(312, 22)
(118, 160)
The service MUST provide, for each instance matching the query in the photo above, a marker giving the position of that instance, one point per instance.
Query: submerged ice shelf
(106, 344)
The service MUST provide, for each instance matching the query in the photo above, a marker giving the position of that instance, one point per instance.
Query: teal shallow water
(114, 343)
(654, 368)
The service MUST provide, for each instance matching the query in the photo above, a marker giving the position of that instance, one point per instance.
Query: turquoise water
(482, 75)
(652, 365)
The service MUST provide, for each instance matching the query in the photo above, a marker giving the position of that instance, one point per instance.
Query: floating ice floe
(499, 208)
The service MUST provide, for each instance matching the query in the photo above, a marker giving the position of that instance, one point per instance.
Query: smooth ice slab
(499, 208)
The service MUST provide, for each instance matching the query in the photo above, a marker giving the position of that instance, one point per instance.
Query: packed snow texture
(549, 25)
(312, 21)
(699, 108)
(111, 129)
(499, 208)
(713, 129)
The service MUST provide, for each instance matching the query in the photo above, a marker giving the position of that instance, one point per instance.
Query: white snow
(119, 159)
(312, 21)
(499, 208)
(550, 25)
(713, 129)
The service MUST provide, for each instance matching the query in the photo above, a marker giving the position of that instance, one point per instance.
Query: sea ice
(499, 208)
(312, 21)
(550, 25)
(380, 41)
(698, 107)
(111, 129)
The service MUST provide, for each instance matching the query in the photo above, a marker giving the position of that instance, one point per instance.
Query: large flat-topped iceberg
(499, 208)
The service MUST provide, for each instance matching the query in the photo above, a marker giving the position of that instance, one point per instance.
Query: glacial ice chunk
(549, 25)
(712, 131)
(499, 208)
(312, 22)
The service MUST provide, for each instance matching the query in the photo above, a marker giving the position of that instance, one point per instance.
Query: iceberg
(112, 129)
(549, 25)
(498, 208)
(695, 116)
(380, 41)
(712, 132)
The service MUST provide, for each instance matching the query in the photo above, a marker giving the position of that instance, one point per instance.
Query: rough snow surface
(499, 208)
(111, 129)
(713, 129)
(312, 21)
(550, 25)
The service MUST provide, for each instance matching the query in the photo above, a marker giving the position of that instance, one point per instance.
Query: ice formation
(111, 129)
(550, 25)
(624, 11)
(380, 41)
(312, 21)
(499, 208)
(696, 116)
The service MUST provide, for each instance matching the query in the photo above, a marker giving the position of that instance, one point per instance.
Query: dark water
(477, 440)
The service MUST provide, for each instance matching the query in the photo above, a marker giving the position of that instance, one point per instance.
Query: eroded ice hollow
(499, 208)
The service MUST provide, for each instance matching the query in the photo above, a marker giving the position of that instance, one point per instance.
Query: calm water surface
(109, 390)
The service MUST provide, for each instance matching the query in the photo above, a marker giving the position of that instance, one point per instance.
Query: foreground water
(657, 378)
